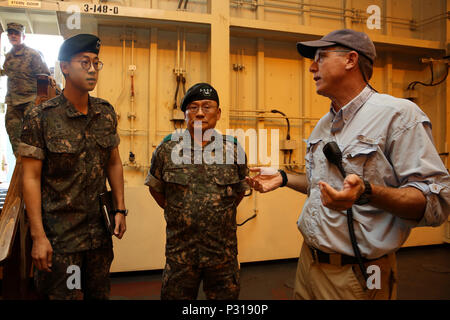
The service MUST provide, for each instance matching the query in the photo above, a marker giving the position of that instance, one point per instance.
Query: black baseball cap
(355, 40)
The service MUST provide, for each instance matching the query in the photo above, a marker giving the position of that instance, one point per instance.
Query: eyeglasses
(86, 64)
(13, 33)
(320, 54)
(206, 108)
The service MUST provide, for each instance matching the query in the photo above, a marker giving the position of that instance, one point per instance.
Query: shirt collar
(19, 51)
(72, 112)
(349, 110)
(194, 145)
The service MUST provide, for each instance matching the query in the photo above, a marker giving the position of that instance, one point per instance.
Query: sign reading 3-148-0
(100, 8)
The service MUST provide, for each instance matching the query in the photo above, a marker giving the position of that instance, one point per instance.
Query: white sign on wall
(25, 3)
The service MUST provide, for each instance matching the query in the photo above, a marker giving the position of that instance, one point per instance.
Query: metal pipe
(312, 5)
(280, 164)
(341, 11)
(132, 113)
(268, 117)
(237, 79)
(178, 52)
(257, 111)
(272, 117)
(124, 73)
(123, 64)
(184, 51)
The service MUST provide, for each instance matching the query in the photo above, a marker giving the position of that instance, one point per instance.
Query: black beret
(77, 44)
(199, 91)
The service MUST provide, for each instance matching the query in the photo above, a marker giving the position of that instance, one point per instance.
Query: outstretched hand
(264, 183)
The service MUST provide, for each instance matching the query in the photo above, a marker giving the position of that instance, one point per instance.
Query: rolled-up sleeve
(32, 141)
(417, 164)
(154, 176)
(438, 203)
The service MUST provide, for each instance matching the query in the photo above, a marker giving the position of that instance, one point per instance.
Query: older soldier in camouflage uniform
(199, 197)
(22, 64)
(69, 147)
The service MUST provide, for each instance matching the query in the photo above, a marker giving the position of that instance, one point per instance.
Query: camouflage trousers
(181, 282)
(14, 123)
(93, 269)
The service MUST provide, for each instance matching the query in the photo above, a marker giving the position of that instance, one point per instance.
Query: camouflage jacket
(201, 199)
(21, 66)
(75, 151)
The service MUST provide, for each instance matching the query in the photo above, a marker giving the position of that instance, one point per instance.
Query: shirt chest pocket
(176, 180)
(104, 133)
(63, 154)
(176, 176)
(226, 180)
(107, 141)
(359, 156)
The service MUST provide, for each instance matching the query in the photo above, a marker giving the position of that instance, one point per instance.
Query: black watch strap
(284, 176)
(364, 198)
(124, 212)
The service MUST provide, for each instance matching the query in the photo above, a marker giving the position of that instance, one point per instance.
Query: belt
(336, 258)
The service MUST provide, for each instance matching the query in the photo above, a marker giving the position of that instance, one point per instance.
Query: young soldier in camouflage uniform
(69, 147)
(22, 64)
(199, 200)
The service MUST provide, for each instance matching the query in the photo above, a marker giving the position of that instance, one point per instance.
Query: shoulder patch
(102, 104)
(167, 138)
(33, 51)
(50, 103)
(231, 139)
(100, 100)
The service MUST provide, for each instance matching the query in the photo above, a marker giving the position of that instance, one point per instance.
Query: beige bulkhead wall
(271, 76)
(259, 41)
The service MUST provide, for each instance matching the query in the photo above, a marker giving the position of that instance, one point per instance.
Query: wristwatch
(284, 177)
(364, 198)
(124, 212)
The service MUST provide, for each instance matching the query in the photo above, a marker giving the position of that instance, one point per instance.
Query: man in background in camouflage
(22, 64)
(199, 191)
(69, 146)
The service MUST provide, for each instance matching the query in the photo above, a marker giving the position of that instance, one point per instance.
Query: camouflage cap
(77, 44)
(15, 26)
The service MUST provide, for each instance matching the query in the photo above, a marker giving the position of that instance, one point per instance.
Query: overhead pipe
(132, 114)
(342, 12)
